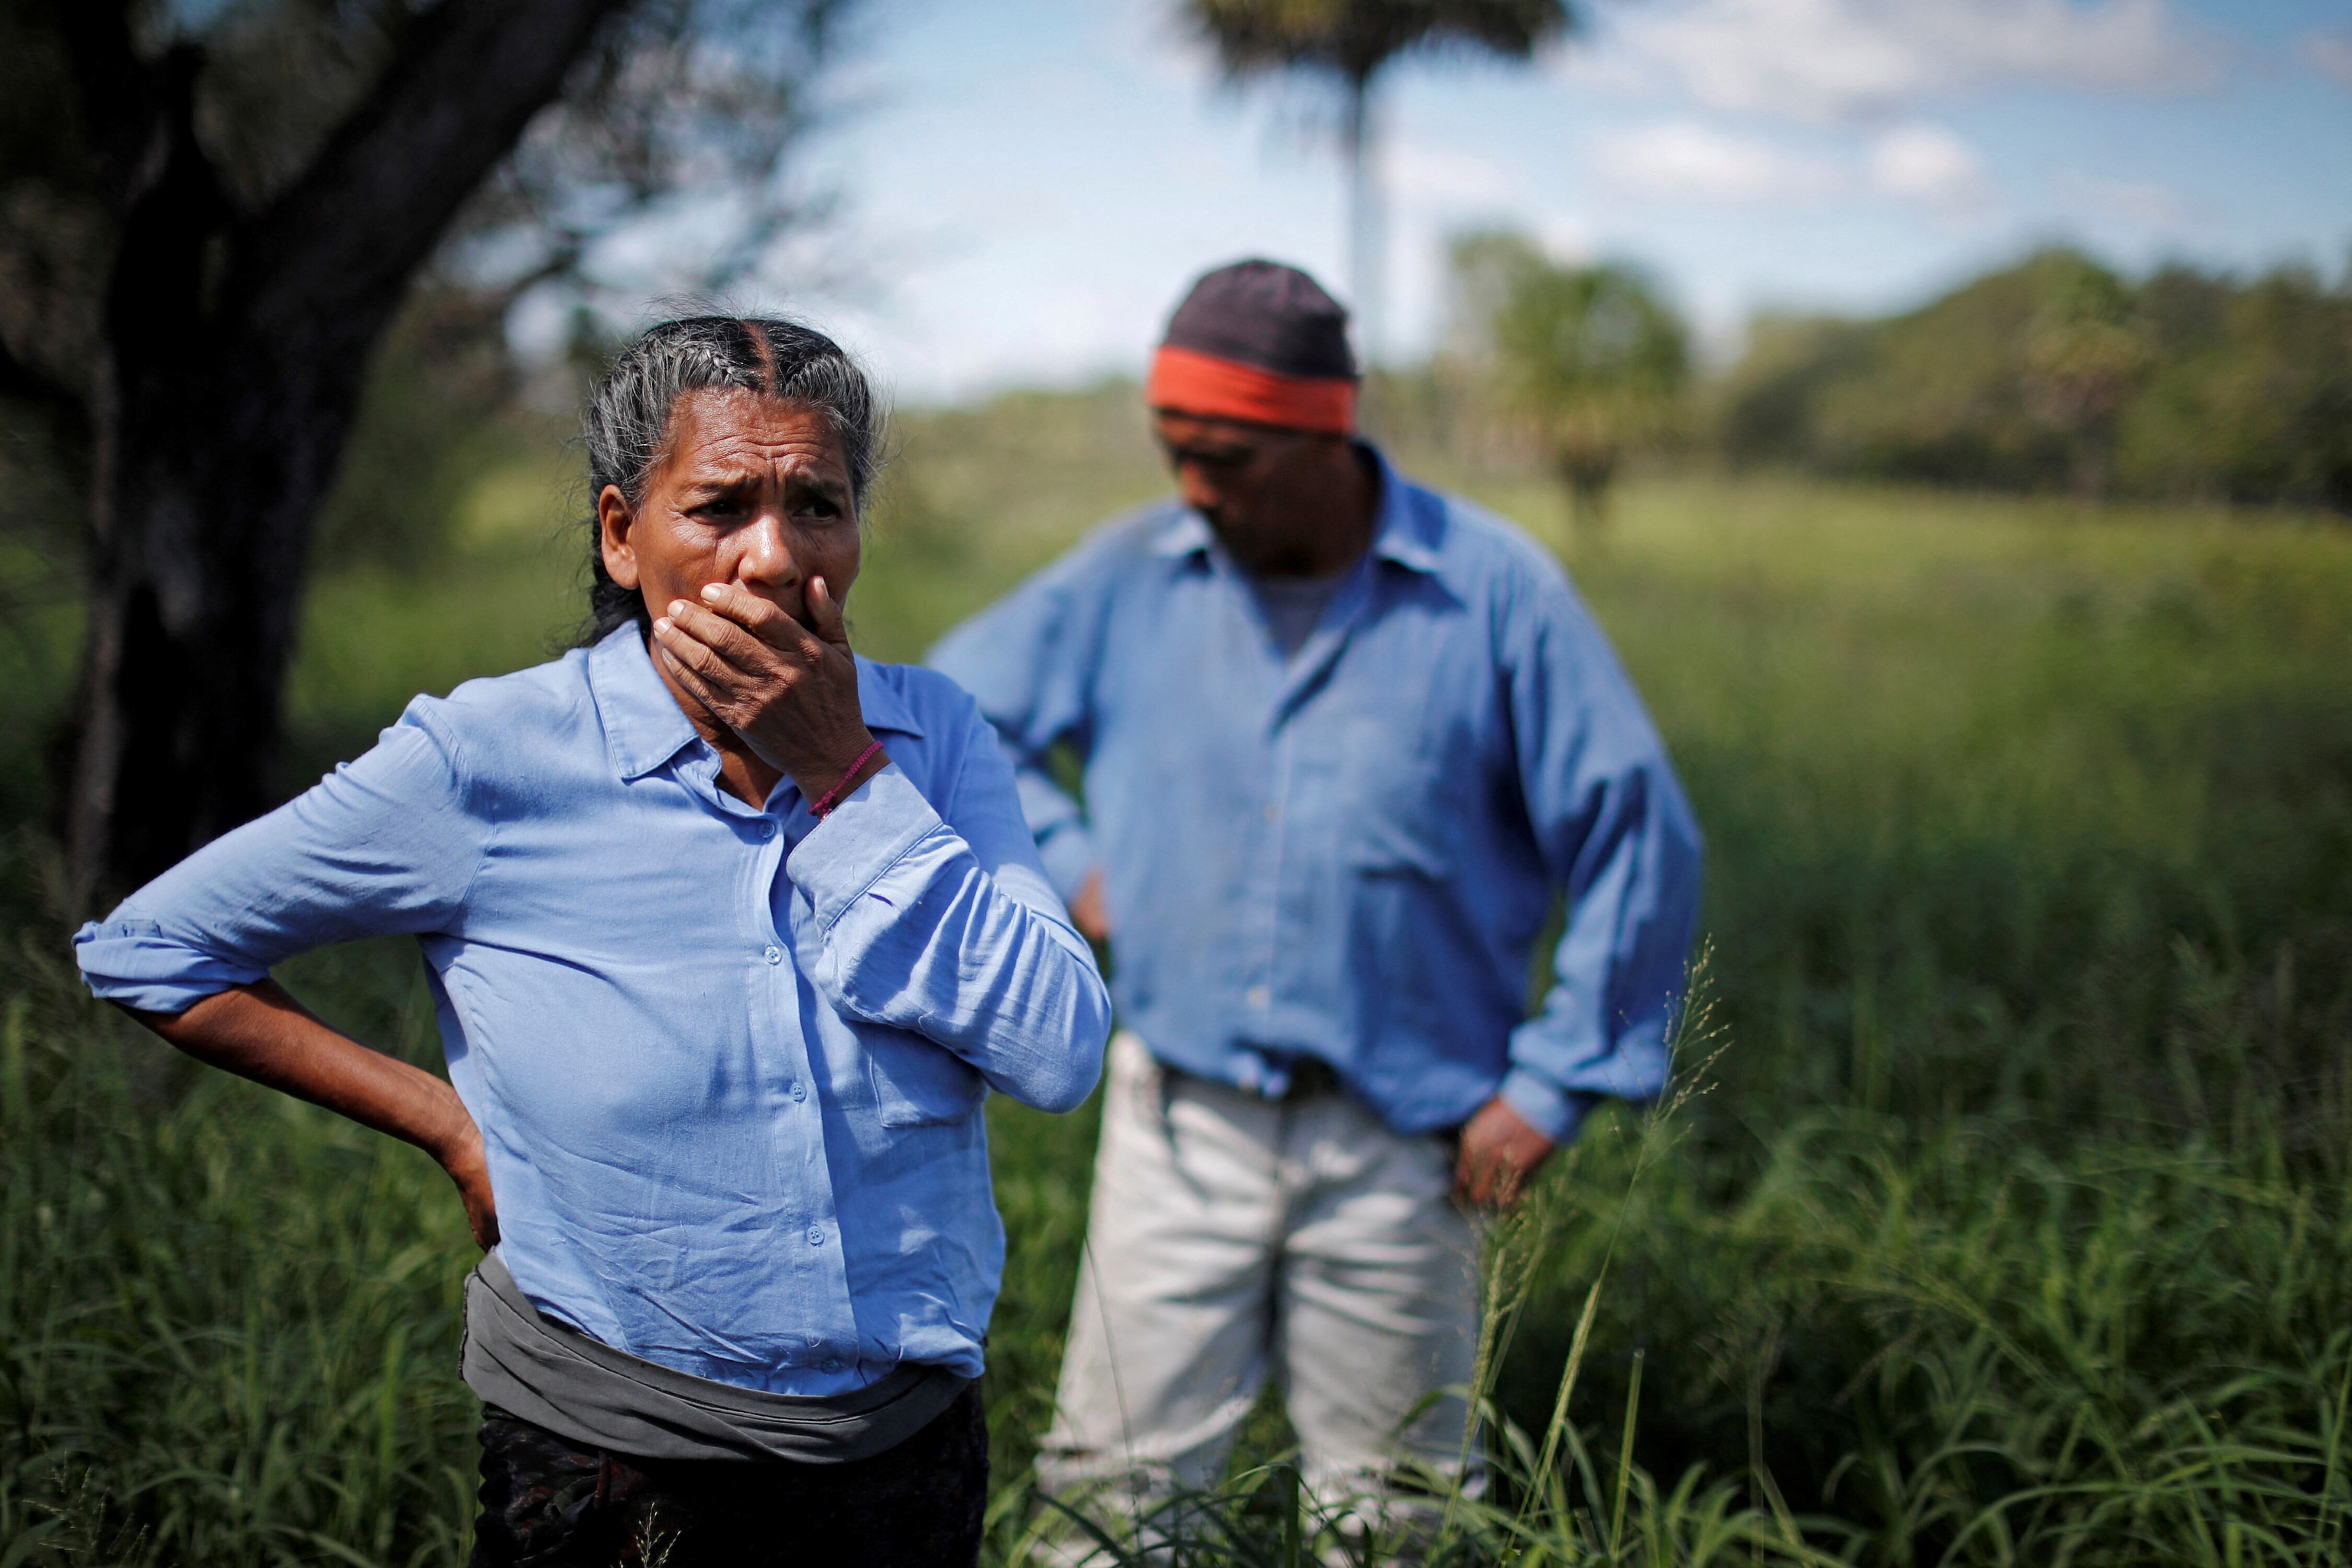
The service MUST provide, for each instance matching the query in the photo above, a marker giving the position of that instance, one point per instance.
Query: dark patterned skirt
(548, 1503)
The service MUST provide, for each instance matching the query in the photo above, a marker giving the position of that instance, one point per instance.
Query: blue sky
(1027, 186)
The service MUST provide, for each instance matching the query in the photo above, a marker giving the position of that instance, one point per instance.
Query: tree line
(2053, 374)
(2060, 374)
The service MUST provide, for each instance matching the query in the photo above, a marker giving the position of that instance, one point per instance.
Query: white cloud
(1687, 160)
(2142, 204)
(1831, 59)
(2331, 51)
(1682, 159)
(1928, 164)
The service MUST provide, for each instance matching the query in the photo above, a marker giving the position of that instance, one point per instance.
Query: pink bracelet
(825, 802)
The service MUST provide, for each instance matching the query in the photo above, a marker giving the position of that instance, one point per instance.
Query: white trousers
(1232, 1238)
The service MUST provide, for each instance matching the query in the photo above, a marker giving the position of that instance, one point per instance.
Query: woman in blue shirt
(729, 932)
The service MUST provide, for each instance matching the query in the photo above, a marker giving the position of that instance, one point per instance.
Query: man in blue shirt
(1344, 741)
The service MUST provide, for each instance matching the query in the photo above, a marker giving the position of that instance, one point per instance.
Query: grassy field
(2006, 1220)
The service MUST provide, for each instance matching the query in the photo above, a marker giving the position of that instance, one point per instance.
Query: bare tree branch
(373, 205)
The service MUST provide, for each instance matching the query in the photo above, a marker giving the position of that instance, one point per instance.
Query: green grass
(2007, 1221)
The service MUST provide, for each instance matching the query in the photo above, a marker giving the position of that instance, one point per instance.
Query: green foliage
(2031, 884)
(2255, 400)
(2058, 373)
(438, 413)
(212, 1358)
(1590, 360)
(979, 498)
(2009, 1225)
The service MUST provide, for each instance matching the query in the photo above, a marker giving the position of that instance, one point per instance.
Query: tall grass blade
(1556, 1427)
(1625, 1458)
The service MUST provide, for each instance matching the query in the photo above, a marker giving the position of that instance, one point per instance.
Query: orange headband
(1189, 382)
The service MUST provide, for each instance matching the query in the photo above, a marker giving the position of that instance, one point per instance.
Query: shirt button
(800, 1089)
(816, 1237)
(1259, 997)
(1273, 812)
(775, 955)
(767, 830)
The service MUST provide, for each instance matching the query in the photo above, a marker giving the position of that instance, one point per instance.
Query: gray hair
(627, 426)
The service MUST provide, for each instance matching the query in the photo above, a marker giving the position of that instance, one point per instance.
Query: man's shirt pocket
(917, 1083)
(1402, 811)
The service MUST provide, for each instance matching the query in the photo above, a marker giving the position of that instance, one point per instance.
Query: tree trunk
(237, 348)
(2093, 449)
(213, 456)
(1586, 475)
(1367, 250)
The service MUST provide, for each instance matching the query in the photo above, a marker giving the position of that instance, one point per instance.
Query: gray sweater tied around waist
(555, 1377)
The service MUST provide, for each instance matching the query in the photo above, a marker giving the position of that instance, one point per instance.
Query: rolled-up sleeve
(1616, 833)
(382, 845)
(945, 924)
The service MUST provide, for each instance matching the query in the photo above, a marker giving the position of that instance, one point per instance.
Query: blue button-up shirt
(1348, 854)
(728, 1062)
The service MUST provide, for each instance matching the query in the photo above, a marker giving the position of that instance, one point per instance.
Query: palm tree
(1349, 42)
(1590, 361)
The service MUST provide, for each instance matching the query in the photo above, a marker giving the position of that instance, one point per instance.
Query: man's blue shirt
(728, 1063)
(1348, 854)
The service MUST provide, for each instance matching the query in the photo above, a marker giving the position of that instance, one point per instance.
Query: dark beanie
(1265, 314)
(1260, 342)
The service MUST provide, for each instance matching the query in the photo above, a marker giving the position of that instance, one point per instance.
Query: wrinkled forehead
(732, 427)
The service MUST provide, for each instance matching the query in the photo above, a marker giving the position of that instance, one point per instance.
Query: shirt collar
(1402, 533)
(879, 702)
(645, 727)
(1410, 521)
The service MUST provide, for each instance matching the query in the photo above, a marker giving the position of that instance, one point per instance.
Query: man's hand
(1500, 1153)
(790, 691)
(1087, 912)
